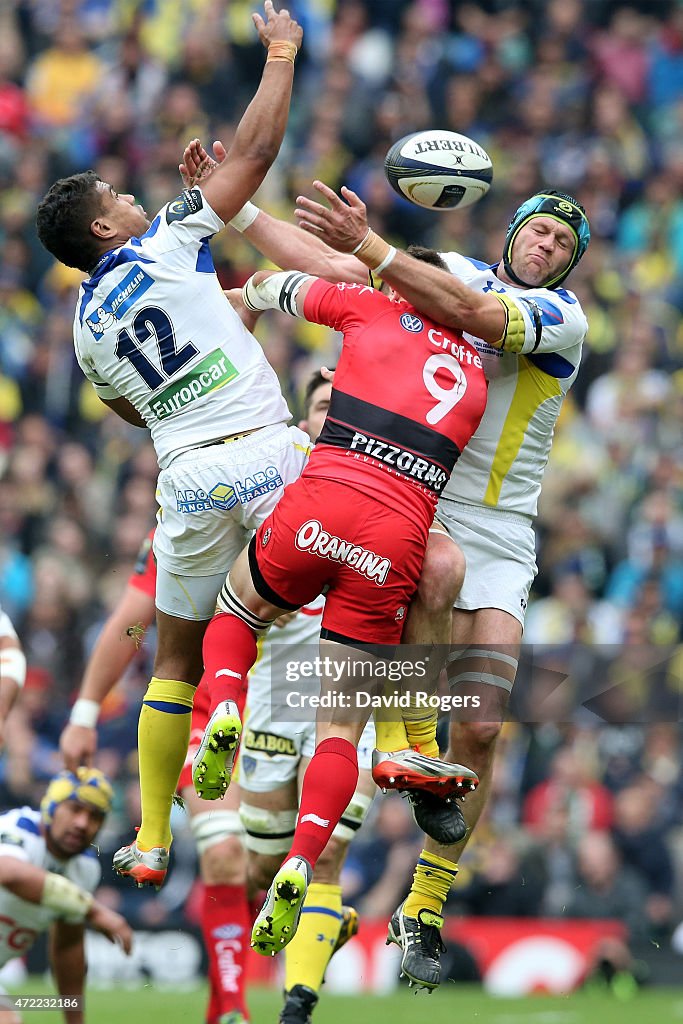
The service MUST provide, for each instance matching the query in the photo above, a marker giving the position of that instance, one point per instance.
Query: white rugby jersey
(152, 325)
(503, 464)
(20, 921)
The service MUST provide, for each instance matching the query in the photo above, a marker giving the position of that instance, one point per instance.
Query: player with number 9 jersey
(408, 395)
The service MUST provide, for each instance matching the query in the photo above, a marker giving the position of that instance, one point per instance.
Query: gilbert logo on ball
(439, 170)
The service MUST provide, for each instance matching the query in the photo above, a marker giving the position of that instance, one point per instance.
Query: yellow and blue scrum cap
(86, 785)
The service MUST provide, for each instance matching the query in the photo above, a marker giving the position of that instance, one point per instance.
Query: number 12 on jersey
(152, 322)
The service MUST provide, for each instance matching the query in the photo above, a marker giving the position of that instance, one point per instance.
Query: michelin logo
(119, 300)
(225, 496)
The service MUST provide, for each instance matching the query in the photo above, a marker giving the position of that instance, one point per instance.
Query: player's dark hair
(421, 252)
(64, 217)
(314, 382)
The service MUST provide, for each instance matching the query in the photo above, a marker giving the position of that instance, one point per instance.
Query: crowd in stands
(586, 818)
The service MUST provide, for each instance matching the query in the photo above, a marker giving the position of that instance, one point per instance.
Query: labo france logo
(312, 538)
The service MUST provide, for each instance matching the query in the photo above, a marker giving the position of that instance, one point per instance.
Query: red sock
(225, 928)
(329, 783)
(229, 646)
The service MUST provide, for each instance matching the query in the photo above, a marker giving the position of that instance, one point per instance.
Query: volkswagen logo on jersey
(412, 323)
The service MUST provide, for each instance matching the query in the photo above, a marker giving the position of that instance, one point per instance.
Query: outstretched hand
(278, 26)
(343, 225)
(198, 164)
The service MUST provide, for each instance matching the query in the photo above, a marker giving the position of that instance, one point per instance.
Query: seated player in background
(12, 670)
(355, 525)
(48, 873)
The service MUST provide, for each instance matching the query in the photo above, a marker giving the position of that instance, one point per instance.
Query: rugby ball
(439, 170)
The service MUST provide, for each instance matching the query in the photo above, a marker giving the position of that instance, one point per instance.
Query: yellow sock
(432, 881)
(163, 735)
(420, 729)
(309, 952)
(390, 735)
(389, 728)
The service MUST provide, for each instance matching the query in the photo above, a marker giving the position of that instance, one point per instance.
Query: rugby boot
(441, 819)
(144, 867)
(420, 939)
(408, 769)
(213, 763)
(234, 1017)
(277, 921)
(300, 1003)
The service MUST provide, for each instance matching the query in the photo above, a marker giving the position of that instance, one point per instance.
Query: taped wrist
(85, 712)
(514, 335)
(245, 217)
(279, 291)
(281, 49)
(65, 898)
(374, 252)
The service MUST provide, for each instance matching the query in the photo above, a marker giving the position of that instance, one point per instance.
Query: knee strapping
(353, 817)
(267, 831)
(211, 827)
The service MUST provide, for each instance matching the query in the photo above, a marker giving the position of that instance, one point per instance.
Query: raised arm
(262, 127)
(281, 242)
(438, 294)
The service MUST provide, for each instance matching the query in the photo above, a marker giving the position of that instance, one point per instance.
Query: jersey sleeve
(562, 321)
(18, 833)
(342, 306)
(103, 389)
(556, 312)
(144, 575)
(180, 233)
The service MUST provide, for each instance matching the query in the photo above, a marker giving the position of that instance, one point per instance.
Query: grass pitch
(445, 1006)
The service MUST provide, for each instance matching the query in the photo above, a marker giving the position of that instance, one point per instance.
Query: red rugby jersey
(408, 395)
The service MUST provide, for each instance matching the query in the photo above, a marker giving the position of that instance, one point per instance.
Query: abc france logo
(412, 323)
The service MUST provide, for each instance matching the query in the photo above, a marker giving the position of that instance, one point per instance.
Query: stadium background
(586, 95)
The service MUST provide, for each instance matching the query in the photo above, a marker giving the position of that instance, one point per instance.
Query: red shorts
(324, 535)
(201, 712)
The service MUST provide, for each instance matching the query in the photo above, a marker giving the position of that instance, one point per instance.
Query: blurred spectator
(572, 785)
(605, 888)
(642, 847)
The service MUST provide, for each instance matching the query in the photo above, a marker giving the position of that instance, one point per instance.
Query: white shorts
(210, 499)
(270, 752)
(500, 550)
